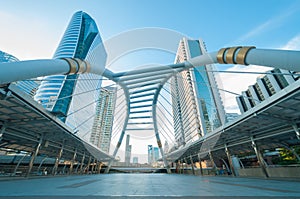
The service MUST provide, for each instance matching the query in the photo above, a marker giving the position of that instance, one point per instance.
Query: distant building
(265, 87)
(135, 160)
(28, 86)
(153, 154)
(150, 155)
(103, 121)
(196, 102)
(127, 151)
(166, 147)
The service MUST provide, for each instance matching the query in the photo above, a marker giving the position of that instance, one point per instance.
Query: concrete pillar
(192, 165)
(182, 167)
(201, 170)
(72, 161)
(82, 163)
(229, 160)
(33, 156)
(260, 158)
(54, 170)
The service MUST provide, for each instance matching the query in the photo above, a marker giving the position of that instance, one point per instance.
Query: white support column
(296, 129)
(72, 161)
(43, 160)
(2, 130)
(88, 165)
(82, 163)
(229, 160)
(33, 156)
(54, 170)
(17, 166)
(192, 165)
(200, 162)
(260, 158)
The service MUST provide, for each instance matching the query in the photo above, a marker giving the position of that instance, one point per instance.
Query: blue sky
(263, 23)
(32, 29)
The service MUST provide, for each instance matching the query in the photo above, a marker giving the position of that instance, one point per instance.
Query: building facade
(265, 87)
(72, 98)
(196, 102)
(127, 151)
(103, 121)
(153, 154)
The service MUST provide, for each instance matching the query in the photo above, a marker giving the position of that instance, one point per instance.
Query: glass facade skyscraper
(73, 98)
(196, 102)
(103, 122)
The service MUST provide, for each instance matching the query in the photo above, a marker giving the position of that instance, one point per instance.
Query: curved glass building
(6, 58)
(72, 98)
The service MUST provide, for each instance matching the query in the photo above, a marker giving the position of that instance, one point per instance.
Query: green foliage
(287, 157)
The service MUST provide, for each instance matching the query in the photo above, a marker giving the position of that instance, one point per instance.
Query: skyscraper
(103, 121)
(196, 102)
(153, 154)
(73, 97)
(150, 154)
(127, 151)
(265, 87)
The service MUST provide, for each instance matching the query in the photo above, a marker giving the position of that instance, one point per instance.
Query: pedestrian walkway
(148, 186)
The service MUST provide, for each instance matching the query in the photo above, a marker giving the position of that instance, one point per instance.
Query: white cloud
(274, 22)
(236, 83)
(293, 44)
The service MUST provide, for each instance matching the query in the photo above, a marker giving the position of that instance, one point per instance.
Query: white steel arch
(148, 81)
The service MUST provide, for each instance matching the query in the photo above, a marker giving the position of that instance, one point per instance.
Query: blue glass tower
(67, 95)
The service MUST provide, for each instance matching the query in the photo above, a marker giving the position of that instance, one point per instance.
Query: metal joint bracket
(242, 54)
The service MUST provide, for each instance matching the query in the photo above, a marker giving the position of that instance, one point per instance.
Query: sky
(32, 29)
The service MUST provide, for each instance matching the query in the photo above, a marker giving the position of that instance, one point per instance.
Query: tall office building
(135, 160)
(150, 154)
(28, 86)
(166, 147)
(265, 87)
(73, 97)
(103, 121)
(127, 151)
(153, 154)
(196, 102)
